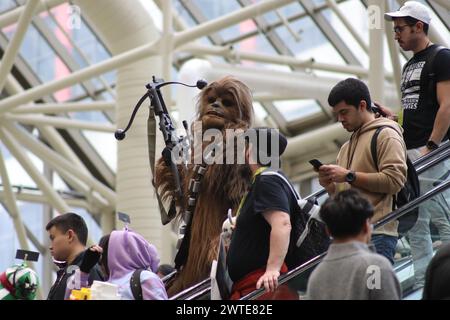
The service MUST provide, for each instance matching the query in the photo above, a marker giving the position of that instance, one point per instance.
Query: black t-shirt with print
(250, 243)
(419, 114)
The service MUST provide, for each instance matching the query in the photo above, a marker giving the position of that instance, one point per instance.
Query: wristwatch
(431, 145)
(350, 177)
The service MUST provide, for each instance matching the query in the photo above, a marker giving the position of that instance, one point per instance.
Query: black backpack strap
(373, 150)
(429, 74)
(373, 143)
(373, 146)
(279, 175)
(135, 284)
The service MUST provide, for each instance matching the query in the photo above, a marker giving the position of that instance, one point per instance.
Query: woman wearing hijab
(124, 252)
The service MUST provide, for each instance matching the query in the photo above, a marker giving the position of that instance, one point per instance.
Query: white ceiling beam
(46, 154)
(25, 196)
(227, 20)
(60, 122)
(299, 84)
(13, 15)
(236, 55)
(20, 154)
(14, 44)
(66, 107)
(335, 8)
(50, 87)
(11, 205)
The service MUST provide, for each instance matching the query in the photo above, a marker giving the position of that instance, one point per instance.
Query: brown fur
(223, 185)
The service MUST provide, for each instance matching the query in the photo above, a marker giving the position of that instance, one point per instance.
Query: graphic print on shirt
(410, 85)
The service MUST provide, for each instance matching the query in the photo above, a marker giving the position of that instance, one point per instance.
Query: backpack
(428, 74)
(409, 192)
(308, 237)
(135, 284)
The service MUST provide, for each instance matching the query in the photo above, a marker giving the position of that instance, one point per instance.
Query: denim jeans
(435, 210)
(385, 245)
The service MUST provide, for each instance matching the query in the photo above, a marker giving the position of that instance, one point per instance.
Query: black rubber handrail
(183, 295)
(443, 147)
(168, 277)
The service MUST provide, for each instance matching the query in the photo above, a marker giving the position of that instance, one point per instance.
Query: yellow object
(82, 294)
(400, 117)
(257, 172)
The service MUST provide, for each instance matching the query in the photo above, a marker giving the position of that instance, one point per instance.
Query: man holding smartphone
(351, 103)
(425, 118)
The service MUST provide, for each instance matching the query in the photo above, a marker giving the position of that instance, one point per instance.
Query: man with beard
(425, 118)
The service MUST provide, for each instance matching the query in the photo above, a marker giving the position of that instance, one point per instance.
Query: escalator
(297, 278)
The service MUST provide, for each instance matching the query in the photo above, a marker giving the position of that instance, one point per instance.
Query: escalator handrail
(412, 204)
(442, 152)
(168, 277)
(423, 167)
(389, 218)
(191, 290)
(443, 147)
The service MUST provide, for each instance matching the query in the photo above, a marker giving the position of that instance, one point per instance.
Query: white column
(376, 44)
(395, 59)
(47, 264)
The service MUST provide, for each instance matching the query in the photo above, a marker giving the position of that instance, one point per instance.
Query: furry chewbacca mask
(225, 101)
(223, 104)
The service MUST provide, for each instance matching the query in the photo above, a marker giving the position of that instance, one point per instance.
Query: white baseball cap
(411, 9)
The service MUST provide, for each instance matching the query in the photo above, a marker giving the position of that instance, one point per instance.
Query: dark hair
(165, 269)
(412, 21)
(104, 244)
(72, 221)
(437, 277)
(346, 213)
(351, 91)
(263, 137)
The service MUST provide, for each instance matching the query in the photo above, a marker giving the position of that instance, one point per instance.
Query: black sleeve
(90, 259)
(96, 274)
(270, 194)
(442, 65)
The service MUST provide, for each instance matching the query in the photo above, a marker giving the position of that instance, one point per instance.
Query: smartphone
(315, 163)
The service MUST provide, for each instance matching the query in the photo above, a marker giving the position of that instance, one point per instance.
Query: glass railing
(407, 264)
(201, 290)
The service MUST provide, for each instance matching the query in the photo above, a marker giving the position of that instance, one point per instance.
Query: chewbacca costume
(223, 104)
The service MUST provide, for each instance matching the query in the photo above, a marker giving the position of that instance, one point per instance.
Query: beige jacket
(355, 155)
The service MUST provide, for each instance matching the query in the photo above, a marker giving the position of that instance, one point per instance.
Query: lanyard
(257, 172)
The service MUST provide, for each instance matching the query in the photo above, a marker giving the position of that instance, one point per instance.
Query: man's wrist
(431, 145)
(350, 177)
